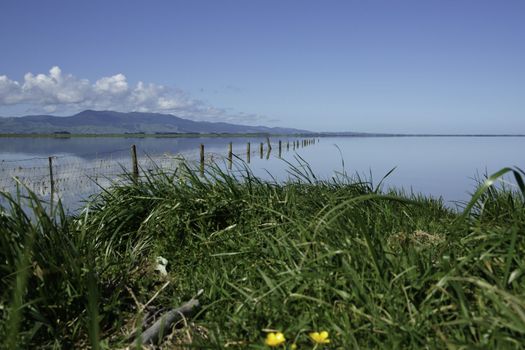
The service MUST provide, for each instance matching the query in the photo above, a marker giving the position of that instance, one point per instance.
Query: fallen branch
(159, 329)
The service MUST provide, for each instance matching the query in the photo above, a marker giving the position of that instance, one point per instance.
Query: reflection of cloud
(58, 92)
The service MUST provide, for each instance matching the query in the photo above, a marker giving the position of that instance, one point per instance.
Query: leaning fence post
(51, 179)
(135, 164)
(269, 144)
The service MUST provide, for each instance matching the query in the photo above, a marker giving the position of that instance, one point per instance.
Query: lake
(438, 166)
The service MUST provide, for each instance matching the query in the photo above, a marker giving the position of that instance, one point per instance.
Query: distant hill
(109, 122)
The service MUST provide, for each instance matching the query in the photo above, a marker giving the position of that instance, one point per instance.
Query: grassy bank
(374, 269)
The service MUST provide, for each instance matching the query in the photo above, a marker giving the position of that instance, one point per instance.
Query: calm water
(437, 166)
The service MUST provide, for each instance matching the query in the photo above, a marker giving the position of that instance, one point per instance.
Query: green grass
(376, 269)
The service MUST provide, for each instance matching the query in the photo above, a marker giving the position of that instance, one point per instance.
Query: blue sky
(376, 66)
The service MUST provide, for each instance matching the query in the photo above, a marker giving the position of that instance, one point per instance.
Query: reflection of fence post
(248, 151)
(261, 150)
(202, 159)
(51, 179)
(230, 155)
(135, 164)
(280, 148)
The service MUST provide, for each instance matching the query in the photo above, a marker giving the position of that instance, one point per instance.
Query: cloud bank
(58, 92)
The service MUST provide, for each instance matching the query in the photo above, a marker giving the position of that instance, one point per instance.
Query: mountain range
(110, 122)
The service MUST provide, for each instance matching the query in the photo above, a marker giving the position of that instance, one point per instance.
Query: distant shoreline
(222, 135)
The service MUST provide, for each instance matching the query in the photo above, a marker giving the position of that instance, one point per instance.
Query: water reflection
(79, 167)
(439, 166)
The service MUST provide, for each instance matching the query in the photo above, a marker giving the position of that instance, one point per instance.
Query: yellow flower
(274, 339)
(320, 338)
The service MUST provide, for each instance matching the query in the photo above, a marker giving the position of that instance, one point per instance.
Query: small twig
(187, 329)
(137, 303)
(155, 295)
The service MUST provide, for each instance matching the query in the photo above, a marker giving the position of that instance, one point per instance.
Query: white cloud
(65, 93)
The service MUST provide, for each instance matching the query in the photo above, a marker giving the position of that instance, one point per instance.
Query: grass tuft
(374, 268)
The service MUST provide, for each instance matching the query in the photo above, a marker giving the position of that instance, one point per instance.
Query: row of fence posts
(295, 144)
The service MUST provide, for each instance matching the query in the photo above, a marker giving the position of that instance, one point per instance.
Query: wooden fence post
(248, 153)
(280, 148)
(135, 163)
(202, 159)
(52, 180)
(230, 155)
(261, 149)
(268, 142)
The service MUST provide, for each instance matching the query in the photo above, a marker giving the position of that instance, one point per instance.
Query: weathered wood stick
(202, 160)
(268, 142)
(134, 162)
(230, 155)
(52, 181)
(163, 324)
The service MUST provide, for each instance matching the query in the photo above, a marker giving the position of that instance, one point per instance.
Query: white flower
(161, 265)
